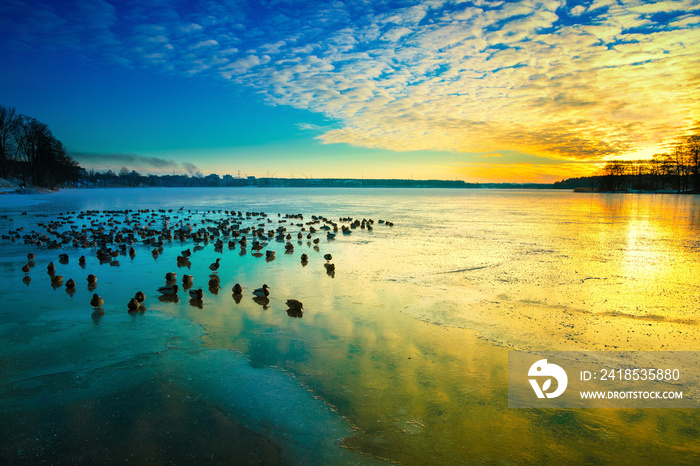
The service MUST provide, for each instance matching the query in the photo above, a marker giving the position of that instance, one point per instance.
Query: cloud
(191, 169)
(577, 10)
(535, 76)
(112, 161)
(515, 77)
(205, 43)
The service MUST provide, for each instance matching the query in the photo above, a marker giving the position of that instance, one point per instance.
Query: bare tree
(693, 149)
(9, 122)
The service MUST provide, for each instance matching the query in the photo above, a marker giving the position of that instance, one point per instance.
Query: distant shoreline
(166, 181)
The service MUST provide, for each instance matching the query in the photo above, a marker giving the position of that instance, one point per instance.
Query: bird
(262, 292)
(327, 257)
(294, 305)
(197, 294)
(30, 257)
(170, 276)
(70, 284)
(237, 289)
(133, 305)
(215, 265)
(304, 257)
(96, 301)
(50, 268)
(91, 279)
(26, 268)
(168, 289)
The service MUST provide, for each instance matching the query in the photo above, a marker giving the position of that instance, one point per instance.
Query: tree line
(132, 178)
(30, 154)
(678, 170)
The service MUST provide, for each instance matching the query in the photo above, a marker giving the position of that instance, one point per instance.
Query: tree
(30, 152)
(9, 121)
(693, 147)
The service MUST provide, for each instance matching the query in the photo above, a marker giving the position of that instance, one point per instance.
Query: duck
(237, 289)
(262, 292)
(168, 289)
(304, 258)
(70, 284)
(81, 261)
(327, 257)
(26, 268)
(294, 305)
(215, 265)
(91, 279)
(140, 296)
(197, 294)
(50, 268)
(63, 258)
(133, 305)
(30, 257)
(170, 276)
(96, 301)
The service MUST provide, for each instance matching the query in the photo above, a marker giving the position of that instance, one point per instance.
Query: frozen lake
(401, 356)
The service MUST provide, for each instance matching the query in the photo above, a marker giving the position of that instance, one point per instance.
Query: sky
(480, 91)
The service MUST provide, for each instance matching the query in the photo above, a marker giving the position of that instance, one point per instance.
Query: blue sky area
(473, 90)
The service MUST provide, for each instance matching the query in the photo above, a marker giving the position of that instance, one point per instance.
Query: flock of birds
(117, 233)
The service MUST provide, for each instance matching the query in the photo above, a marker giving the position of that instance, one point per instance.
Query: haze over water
(400, 357)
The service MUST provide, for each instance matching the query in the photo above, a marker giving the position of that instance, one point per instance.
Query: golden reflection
(420, 392)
